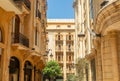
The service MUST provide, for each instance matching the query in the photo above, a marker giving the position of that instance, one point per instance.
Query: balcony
(69, 61)
(24, 4)
(60, 62)
(38, 14)
(57, 41)
(70, 41)
(19, 38)
(59, 49)
(17, 6)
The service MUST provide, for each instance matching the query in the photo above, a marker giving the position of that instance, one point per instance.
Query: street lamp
(49, 51)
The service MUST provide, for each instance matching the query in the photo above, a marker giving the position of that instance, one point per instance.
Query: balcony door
(17, 28)
(17, 24)
(14, 69)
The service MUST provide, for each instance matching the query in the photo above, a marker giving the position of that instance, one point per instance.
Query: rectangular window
(69, 37)
(58, 37)
(36, 37)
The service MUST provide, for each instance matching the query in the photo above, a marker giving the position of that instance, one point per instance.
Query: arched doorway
(28, 71)
(14, 68)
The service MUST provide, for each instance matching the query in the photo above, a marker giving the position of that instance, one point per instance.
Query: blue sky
(60, 9)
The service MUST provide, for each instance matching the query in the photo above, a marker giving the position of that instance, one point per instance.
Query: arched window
(14, 69)
(59, 58)
(59, 47)
(28, 71)
(69, 47)
(69, 36)
(70, 59)
(58, 36)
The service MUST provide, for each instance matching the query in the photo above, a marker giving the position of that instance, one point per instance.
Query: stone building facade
(103, 22)
(22, 39)
(61, 44)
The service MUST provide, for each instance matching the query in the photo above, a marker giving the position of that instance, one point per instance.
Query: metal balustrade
(20, 38)
(38, 14)
(26, 2)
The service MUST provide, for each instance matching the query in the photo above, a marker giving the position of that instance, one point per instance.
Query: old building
(61, 44)
(22, 39)
(84, 36)
(103, 22)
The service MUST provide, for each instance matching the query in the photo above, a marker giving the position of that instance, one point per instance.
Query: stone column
(5, 59)
(33, 76)
(89, 72)
(109, 57)
(64, 56)
(98, 65)
(21, 77)
(98, 60)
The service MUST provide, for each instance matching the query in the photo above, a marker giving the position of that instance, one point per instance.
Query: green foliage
(52, 69)
(71, 77)
(81, 65)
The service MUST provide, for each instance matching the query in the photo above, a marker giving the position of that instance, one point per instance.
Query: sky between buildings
(60, 9)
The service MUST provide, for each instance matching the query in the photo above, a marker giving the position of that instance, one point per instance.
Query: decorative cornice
(107, 16)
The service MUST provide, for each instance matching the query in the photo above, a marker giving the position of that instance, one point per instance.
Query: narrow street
(59, 40)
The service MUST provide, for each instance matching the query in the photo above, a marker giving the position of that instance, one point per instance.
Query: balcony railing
(38, 14)
(26, 2)
(20, 38)
(70, 49)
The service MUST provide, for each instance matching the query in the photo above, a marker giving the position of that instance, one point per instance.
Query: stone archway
(14, 69)
(28, 71)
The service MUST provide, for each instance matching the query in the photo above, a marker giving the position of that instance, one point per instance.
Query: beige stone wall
(106, 23)
(19, 50)
(110, 56)
(64, 28)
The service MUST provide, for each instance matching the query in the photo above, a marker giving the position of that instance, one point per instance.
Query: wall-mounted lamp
(51, 55)
(47, 52)
(81, 34)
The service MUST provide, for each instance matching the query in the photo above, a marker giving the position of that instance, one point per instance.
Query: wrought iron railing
(20, 38)
(26, 2)
(38, 14)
